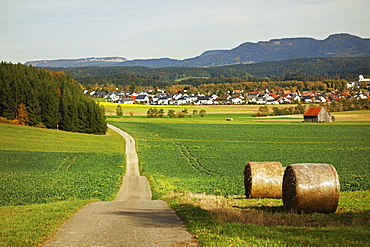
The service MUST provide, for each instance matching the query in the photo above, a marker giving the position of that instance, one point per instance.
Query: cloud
(178, 28)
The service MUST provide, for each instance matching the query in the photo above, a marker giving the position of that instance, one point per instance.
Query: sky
(178, 29)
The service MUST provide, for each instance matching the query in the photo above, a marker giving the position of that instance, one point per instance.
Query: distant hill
(80, 62)
(294, 69)
(336, 45)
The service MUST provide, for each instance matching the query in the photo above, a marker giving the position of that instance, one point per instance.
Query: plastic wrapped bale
(309, 188)
(263, 179)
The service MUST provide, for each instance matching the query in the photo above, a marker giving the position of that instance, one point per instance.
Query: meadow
(196, 164)
(210, 157)
(47, 175)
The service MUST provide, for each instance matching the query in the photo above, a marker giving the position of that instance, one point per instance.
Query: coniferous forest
(38, 97)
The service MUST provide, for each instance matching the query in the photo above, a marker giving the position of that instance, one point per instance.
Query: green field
(210, 157)
(47, 175)
(197, 164)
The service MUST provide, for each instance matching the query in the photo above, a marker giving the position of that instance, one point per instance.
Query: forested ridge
(335, 46)
(38, 97)
(308, 69)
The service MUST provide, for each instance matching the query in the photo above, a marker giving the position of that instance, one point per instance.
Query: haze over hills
(336, 45)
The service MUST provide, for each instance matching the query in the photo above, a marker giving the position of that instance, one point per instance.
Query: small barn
(317, 115)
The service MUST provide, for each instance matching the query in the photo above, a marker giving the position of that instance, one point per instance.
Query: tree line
(304, 69)
(158, 113)
(38, 97)
(334, 106)
(224, 85)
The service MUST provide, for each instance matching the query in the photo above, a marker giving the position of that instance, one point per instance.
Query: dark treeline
(123, 79)
(37, 97)
(305, 69)
(229, 84)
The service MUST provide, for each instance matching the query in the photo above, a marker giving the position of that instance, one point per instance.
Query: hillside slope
(336, 45)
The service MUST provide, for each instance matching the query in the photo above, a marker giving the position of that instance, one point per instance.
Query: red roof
(312, 111)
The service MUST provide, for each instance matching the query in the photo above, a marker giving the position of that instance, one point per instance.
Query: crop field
(39, 177)
(60, 172)
(210, 157)
(48, 175)
(196, 165)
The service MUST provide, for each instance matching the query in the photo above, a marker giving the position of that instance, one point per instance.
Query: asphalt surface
(132, 219)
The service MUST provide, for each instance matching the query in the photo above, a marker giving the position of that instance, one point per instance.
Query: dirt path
(132, 219)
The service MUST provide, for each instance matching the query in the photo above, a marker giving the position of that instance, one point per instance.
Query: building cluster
(232, 98)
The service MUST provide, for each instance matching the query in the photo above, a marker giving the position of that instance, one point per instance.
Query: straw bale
(309, 188)
(263, 180)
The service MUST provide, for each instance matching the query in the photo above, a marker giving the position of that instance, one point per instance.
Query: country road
(132, 219)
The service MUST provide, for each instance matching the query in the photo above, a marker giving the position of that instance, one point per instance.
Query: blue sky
(50, 29)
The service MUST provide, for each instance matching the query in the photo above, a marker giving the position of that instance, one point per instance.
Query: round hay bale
(309, 188)
(263, 179)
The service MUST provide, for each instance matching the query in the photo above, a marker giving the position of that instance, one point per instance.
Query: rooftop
(312, 111)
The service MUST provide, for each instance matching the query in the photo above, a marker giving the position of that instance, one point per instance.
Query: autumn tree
(22, 115)
(119, 111)
(171, 113)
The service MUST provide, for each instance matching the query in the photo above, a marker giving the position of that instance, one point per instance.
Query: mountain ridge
(335, 45)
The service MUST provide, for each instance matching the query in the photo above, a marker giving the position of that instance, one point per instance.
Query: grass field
(196, 164)
(47, 175)
(208, 155)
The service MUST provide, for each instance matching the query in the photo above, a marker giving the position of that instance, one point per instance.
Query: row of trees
(303, 69)
(158, 113)
(347, 105)
(264, 111)
(37, 97)
(334, 106)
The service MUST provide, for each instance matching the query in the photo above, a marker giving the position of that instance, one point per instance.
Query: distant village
(236, 97)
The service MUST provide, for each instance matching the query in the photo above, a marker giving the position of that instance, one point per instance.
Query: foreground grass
(48, 175)
(235, 221)
(30, 225)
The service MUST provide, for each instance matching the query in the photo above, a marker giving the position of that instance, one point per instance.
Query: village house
(237, 100)
(142, 98)
(363, 80)
(317, 115)
(113, 97)
(206, 100)
(126, 101)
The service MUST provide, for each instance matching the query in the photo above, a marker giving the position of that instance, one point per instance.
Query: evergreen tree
(38, 97)
(119, 111)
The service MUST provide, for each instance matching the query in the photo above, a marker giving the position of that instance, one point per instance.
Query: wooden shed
(317, 115)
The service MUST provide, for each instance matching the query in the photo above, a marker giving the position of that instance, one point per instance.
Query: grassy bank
(48, 175)
(236, 221)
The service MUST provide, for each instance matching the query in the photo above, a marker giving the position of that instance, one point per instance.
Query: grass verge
(48, 175)
(235, 221)
(30, 225)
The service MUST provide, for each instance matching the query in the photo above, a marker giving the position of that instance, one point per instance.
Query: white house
(362, 79)
(164, 101)
(237, 100)
(142, 98)
(127, 101)
(113, 97)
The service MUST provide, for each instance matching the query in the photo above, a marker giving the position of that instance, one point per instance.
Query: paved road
(132, 219)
